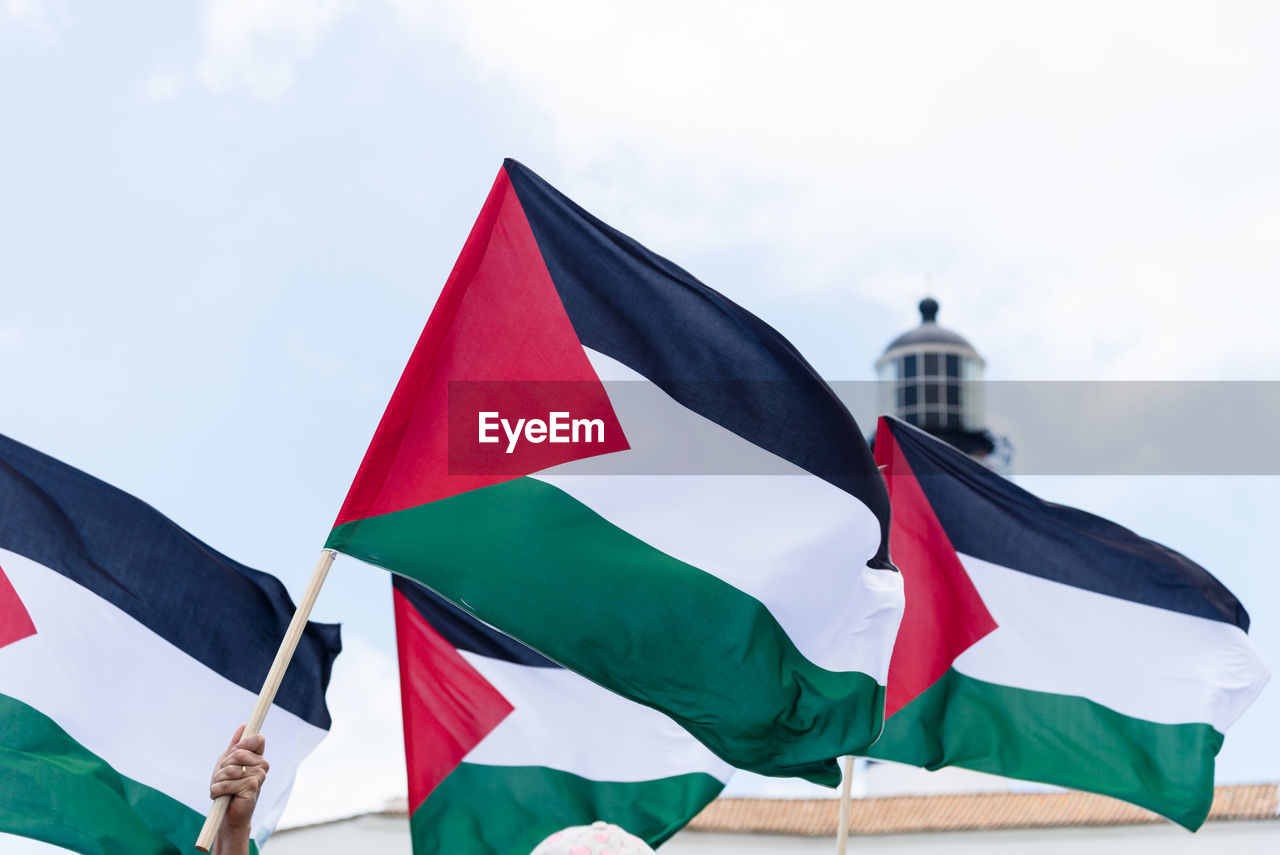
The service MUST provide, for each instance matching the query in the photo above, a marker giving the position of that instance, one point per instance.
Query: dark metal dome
(929, 332)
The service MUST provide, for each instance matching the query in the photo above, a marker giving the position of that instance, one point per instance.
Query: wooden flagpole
(846, 802)
(269, 687)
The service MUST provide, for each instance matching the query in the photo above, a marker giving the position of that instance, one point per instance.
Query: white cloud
(12, 339)
(164, 84)
(1088, 189)
(1094, 182)
(256, 45)
(42, 18)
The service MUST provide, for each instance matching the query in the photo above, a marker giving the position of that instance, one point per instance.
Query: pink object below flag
(599, 838)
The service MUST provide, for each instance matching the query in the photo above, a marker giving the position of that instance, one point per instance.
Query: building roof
(915, 814)
(963, 812)
(929, 332)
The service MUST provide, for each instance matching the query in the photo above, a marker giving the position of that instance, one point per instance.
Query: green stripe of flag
(57, 791)
(472, 811)
(525, 556)
(1056, 739)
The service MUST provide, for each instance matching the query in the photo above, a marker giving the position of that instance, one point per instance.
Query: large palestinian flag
(706, 536)
(1044, 643)
(129, 653)
(504, 747)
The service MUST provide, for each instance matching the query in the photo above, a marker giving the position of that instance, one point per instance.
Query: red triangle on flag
(499, 340)
(449, 707)
(944, 614)
(15, 621)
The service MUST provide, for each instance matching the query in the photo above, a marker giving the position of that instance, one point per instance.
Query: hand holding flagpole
(271, 685)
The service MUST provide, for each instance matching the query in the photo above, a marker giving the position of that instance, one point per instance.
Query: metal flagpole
(269, 687)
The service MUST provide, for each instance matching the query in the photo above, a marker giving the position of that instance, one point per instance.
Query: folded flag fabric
(504, 747)
(755, 606)
(1044, 643)
(129, 652)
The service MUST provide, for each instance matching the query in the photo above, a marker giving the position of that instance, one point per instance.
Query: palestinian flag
(706, 536)
(129, 653)
(504, 747)
(1044, 643)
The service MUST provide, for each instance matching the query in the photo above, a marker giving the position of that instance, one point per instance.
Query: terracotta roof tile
(969, 811)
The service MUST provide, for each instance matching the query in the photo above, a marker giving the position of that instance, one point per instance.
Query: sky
(223, 225)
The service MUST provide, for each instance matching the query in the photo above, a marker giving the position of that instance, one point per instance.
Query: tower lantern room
(932, 377)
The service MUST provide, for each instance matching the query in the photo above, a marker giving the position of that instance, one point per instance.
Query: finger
(230, 780)
(256, 743)
(241, 788)
(244, 757)
(237, 771)
(232, 746)
(226, 773)
(232, 771)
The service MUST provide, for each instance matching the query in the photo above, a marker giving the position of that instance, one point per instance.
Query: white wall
(379, 835)
(1238, 838)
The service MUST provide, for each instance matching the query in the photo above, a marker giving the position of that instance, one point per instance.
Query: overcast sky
(223, 225)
